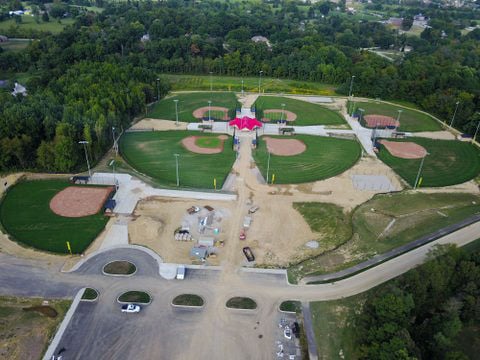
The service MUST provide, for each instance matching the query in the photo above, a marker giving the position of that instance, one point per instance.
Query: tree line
(421, 314)
(310, 42)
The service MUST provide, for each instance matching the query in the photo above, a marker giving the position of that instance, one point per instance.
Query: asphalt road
(101, 331)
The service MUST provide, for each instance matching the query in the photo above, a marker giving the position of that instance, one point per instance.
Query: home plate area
(372, 183)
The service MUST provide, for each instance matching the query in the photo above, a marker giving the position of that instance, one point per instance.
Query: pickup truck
(248, 253)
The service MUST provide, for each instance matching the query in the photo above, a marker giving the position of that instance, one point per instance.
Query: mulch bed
(80, 201)
(285, 147)
(404, 150)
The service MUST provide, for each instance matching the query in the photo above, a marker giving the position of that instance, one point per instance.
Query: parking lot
(287, 344)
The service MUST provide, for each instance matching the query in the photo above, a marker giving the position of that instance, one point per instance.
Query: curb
(189, 307)
(63, 326)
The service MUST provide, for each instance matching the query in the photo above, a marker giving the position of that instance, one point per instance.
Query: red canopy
(245, 123)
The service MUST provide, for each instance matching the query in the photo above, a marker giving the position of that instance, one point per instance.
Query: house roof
(199, 252)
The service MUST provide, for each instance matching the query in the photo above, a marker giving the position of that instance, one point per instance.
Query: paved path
(131, 190)
(310, 334)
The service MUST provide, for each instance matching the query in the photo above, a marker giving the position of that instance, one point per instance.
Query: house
(261, 39)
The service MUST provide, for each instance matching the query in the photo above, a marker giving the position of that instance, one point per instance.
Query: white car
(131, 308)
(287, 332)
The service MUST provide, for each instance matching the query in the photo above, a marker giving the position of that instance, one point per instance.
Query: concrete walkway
(131, 190)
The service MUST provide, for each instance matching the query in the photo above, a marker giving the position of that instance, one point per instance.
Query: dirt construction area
(404, 150)
(285, 147)
(79, 201)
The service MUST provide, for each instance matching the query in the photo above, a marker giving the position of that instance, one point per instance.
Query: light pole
(420, 170)
(361, 114)
(84, 143)
(268, 164)
(209, 106)
(260, 80)
(211, 85)
(283, 113)
(398, 117)
(176, 111)
(454, 113)
(242, 87)
(176, 168)
(115, 146)
(476, 131)
(158, 90)
(351, 86)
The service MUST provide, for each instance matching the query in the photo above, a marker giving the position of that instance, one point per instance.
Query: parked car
(181, 272)
(248, 253)
(243, 236)
(253, 209)
(131, 308)
(287, 332)
(193, 210)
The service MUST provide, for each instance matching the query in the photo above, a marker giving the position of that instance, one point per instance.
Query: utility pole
(283, 113)
(211, 85)
(242, 87)
(158, 89)
(476, 131)
(84, 143)
(268, 164)
(351, 86)
(115, 145)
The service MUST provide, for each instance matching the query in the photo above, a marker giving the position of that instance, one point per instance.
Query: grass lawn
(25, 214)
(189, 102)
(188, 300)
(241, 303)
(334, 326)
(250, 84)
(25, 334)
(325, 157)
(28, 22)
(120, 268)
(410, 120)
(307, 113)
(89, 294)
(15, 45)
(140, 297)
(450, 162)
(292, 306)
(208, 142)
(152, 154)
(397, 219)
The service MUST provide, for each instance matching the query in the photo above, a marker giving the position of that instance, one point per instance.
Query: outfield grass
(410, 120)
(189, 102)
(152, 154)
(450, 162)
(396, 219)
(325, 157)
(28, 22)
(250, 84)
(25, 214)
(307, 113)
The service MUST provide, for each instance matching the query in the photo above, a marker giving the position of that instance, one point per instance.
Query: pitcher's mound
(404, 150)
(204, 144)
(79, 201)
(285, 147)
(380, 121)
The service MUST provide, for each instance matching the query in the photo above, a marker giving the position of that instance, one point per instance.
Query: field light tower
(176, 168)
(454, 113)
(351, 86)
(260, 80)
(84, 143)
(176, 111)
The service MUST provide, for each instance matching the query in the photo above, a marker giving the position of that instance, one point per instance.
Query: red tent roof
(245, 123)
